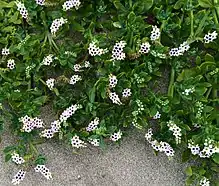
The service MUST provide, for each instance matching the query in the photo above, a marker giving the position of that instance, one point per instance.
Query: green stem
(208, 92)
(171, 84)
(192, 21)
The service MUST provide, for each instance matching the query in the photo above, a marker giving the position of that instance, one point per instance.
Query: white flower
(117, 53)
(30, 123)
(56, 24)
(5, 51)
(155, 33)
(157, 115)
(67, 113)
(116, 136)
(17, 159)
(44, 171)
(95, 142)
(184, 47)
(195, 149)
(166, 148)
(188, 91)
(47, 133)
(74, 79)
(18, 177)
(149, 135)
(38, 123)
(93, 125)
(22, 9)
(145, 48)
(55, 126)
(11, 64)
(176, 131)
(210, 37)
(204, 182)
(115, 98)
(50, 83)
(70, 4)
(126, 93)
(77, 67)
(112, 81)
(159, 146)
(77, 142)
(87, 64)
(40, 2)
(94, 50)
(48, 60)
(179, 51)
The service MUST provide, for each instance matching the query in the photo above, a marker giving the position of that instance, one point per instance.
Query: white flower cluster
(67, 113)
(200, 107)
(44, 171)
(31, 123)
(40, 2)
(155, 33)
(94, 50)
(144, 48)
(74, 79)
(116, 136)
(188, 91)
(18, 177)
(47, 60)
(22, 9)
(159, 146)
(77, 142)
(210, 37)
(87, 64)
(94, 142)
(49, 133)
(50, 83)
(136, 113)
(5, 51)
(204, 182)
(93, 125)
(112, 81)
(78, 67)
(56, 24)
(71, 4)
(176, 131)
(210, 147)
(179, 51)
(11, 64)
(115, 98)
(157, 115)
(17, 159)
(126, 92)
(117, 53)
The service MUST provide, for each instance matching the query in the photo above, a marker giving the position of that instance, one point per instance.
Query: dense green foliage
(189, 100)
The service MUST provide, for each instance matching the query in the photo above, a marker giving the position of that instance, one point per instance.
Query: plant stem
(192, 21)
(171, 84)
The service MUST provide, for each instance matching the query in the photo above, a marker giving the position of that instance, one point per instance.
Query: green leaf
(188, 171)
(205, 3)
(179, 4)
(92, 95)
(209, 58)
(119, 6)
(117, 25)
(77, 27)
(185, 155)
(147, 4)
(215, 157)
(7, 157)
(3, 4)
(131, 17)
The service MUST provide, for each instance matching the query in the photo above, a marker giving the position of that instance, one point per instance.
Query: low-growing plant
(109, 65)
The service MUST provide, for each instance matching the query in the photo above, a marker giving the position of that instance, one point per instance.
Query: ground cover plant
(100, 64)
